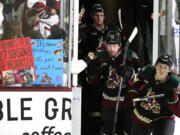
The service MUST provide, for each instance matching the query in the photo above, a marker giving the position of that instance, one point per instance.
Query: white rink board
(177, 126)
(27, 113)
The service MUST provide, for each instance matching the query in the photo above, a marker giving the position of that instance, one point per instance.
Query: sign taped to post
(48, 57)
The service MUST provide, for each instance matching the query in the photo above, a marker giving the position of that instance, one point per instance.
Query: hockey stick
(149, 97)
(121, 78)
(119, 17)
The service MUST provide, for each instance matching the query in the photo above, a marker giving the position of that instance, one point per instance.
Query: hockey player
(92, 39)
(106, 67)
(156, 89)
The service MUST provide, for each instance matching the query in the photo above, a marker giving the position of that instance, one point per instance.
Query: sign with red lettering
(16, 61)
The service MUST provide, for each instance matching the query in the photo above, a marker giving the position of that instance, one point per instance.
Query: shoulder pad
(148, 71)
(131, 54)
(102, 55)
(174, 82)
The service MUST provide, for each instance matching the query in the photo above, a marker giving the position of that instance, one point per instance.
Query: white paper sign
(35, 113)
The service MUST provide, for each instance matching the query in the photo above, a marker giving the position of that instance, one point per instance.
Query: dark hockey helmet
(97, 8)
(113, 37)
(165, 59)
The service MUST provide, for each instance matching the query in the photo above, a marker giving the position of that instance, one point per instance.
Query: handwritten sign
(48, 55)
(16, 57)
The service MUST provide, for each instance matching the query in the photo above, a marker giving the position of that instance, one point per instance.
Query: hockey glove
(171, 96)
(126, 72)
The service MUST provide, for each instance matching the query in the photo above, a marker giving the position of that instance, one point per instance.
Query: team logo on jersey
(113, 79)
(151, 103)
(102, 45)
